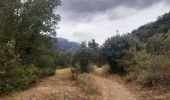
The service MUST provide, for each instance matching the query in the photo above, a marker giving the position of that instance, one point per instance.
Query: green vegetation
(155, 71)
(143, 55)
(120, 52)
(27, 49)
(18, 77)
(85, 57)
(82, 58)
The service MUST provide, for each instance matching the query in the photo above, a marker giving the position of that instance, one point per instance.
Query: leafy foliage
(155, 71)
(26, 30)
(161, 26)
(142, 55)
(62, 58)
(82, 58)
(16, 77)
(30, 24)
(119, 52)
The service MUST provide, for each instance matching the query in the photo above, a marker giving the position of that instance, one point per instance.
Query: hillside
(67, 45)
(161, 25)
(37, 65)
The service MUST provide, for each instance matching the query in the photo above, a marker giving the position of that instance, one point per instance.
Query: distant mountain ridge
(67, 45)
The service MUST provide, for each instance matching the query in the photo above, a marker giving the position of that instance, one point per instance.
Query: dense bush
(45, 61)
(45, 71)
(75, 69)
(7, 54)
(146, 62)
(155, 71)
(81, 59)
(16, 77)
(120, 52)
(26, 41)
(62, 59)
(151, 70)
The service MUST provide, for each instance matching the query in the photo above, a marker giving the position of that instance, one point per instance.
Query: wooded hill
(66, 45)
(28, 50)
(161, 26)
(142, 56)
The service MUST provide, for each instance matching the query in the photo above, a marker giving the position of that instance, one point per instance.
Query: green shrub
(82, 58)
(75, 70)
(155, 71)
(45, 71)
(13, 75)
(45, 61)
(16, 77)
(8, 55)
(20, 77)
(133, 70)
(119, 52)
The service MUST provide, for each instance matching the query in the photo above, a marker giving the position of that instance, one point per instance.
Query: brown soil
(62, 87)
(58, 87)
(112, 88)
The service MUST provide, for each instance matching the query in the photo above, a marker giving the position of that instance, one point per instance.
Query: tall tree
(30, 23)
(82, 58)
(93, 45)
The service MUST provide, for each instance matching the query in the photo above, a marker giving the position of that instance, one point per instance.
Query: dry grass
(63, 95)
(168, 96)
(87, 83)
(104, 70)
(131, 77)
(153, 72)
(156, 71)
(153, 77)
(57, 87)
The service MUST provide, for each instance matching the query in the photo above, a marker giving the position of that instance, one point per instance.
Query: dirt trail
(58, 87)
(112, 88)
(62, 87)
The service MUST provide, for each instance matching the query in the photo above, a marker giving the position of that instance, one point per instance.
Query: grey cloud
(82, 35)
(94, 6)
(86, 10)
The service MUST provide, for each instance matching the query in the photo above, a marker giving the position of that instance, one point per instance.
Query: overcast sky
(99, 19)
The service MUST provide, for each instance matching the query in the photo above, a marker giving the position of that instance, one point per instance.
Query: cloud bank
(85, 19)
(76, 9)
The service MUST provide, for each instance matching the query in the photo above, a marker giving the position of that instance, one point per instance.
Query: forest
(29, 51)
